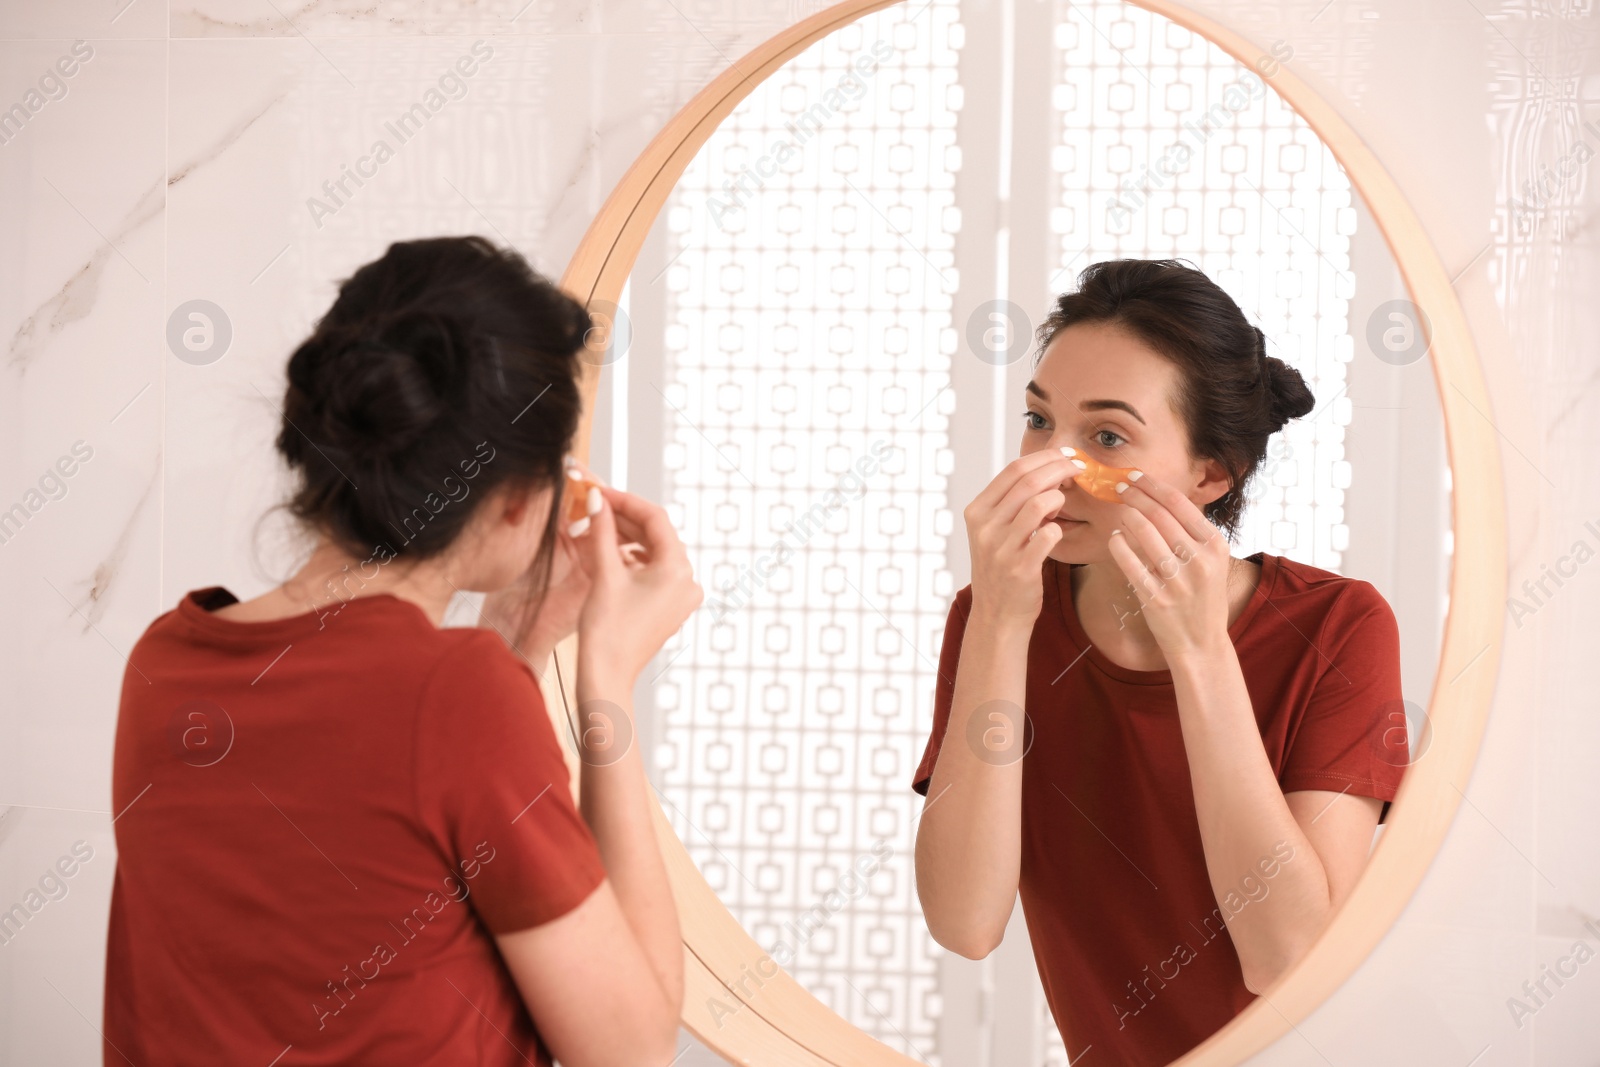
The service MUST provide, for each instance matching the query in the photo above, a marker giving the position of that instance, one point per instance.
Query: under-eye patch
(578, 505)
(1100, 481)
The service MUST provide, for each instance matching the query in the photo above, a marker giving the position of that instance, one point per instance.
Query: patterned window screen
(1257, 201)
(1250, 194)
(808, 340)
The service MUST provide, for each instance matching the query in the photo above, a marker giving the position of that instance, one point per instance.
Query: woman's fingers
(1146, 540)
(1049, 474)
(1040, 542)
(1035, 514)
(598, 544)
(1142, 581)
(990, 497)
(630, 533)
(644, 522)
(1044, 472)
(628, 529)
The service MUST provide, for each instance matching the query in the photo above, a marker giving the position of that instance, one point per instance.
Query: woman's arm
(969, 849)
(1244, 817)
(1246, 824)
(614, 797)
(595, 996)
(605, 981)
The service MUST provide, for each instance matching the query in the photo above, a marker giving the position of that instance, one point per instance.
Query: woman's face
(1101, 390)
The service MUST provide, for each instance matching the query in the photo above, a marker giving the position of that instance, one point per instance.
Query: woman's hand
(1010, 532)
(1178, 563)
(638, 597)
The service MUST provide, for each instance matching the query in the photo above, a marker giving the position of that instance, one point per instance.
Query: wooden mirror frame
(775, 1021)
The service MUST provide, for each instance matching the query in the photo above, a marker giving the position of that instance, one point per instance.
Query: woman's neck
(333, 575)
(1108, 594)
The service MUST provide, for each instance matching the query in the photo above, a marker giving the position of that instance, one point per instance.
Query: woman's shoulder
(1337, 600)
(478, 657)
(1296, 576)
(398, 634)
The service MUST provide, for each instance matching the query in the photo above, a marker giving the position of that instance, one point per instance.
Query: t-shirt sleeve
(493, 789)
(944, 686)
(1352, 734)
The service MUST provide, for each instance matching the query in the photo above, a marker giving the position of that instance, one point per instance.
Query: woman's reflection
(1178, 757)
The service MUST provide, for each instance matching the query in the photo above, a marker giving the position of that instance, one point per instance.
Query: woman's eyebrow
(1089, 405)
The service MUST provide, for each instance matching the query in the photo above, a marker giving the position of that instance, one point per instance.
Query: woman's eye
(1029, 416)
(1101, 437)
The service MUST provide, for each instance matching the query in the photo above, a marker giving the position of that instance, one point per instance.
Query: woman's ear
(510, 503)
(1214, 483)
(525, 505)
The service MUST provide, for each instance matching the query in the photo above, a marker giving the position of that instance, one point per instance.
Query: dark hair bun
(373, 392)
(444, 369)
(1290, 397)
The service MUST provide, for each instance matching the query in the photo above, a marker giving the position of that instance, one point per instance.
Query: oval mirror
(818, 289)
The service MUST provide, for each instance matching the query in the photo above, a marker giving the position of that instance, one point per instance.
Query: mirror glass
(819, 361)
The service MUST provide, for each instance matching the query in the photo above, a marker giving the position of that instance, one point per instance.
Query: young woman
(345, 833)
(1178, 757)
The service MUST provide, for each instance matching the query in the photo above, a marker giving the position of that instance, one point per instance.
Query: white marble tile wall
(176, 161)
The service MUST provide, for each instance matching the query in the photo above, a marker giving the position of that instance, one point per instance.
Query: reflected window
(806, 352)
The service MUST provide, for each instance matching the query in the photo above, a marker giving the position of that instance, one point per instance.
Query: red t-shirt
(1132, 950)
(323, 820)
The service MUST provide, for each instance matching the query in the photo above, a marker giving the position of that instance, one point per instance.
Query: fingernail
(1134, 476)
(1080, 464)
(579, 528)
(1068, 451)
(1122, 485)
(574, 473)
(594, 501)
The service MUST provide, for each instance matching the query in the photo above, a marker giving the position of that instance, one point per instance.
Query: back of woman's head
(1231, 395)
(444, 370)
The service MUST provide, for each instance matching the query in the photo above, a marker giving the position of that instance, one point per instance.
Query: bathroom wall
(190, 163)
